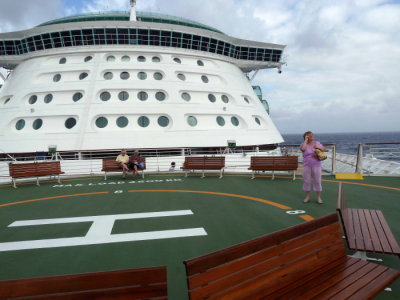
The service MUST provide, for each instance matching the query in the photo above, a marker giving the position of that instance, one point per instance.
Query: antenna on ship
(133, 11)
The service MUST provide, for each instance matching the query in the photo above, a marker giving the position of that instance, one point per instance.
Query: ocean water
(348, 142)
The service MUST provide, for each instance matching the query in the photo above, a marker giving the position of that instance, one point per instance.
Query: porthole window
(83, 76)
(37, 124)
(200, 63)
(220, 121)
(160, 96)
(88, 58)
(77, 96)
(143, 121)
(163, 121)
(32, 99)
(142, 96)
(124, 75)
(192, 121)
(110, 58)
(142, 75)
(20, 124)
(155, 59)
(204, 78)
(186, 96)
(181, 77)
(235, 121)
(125, 58)
(158, 76)
(246, 99)
(7, 100)
(212, 98)
(48, 98)
(257, 121)
(105, 96)
(57, 78)
(108, 75)
(101, 122)
(62, 61)
(177, 60)
(141, 58)
(70, 123)
(122, 122)
(123, 96)
(225, 98)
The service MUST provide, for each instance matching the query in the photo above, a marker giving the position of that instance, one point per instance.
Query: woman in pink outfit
(312, 168)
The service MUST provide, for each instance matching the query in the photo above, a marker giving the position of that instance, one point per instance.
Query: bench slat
(365, 228)
(395, 248)
(381, 233)
(374, 244)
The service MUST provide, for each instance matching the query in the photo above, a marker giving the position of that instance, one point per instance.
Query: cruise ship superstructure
(131, 80)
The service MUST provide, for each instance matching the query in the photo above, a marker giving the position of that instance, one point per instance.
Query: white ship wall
(34, 76)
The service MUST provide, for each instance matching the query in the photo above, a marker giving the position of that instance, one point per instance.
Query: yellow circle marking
(48, 198)
(281, 206)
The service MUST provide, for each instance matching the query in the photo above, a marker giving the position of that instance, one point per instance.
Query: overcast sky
(343, 56)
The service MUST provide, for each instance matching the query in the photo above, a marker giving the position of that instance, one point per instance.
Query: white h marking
(100, 231)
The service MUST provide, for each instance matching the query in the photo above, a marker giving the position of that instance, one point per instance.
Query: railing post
(359, 165)
(334, 159)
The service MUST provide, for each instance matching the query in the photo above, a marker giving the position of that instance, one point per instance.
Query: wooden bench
(110, 165)
(366, 230)
(36, 169)
(300, 262)
(204, 163)
(148, 283)
(274, 163)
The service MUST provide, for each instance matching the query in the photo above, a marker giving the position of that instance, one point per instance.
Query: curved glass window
(70, 122)
(143, 121)
(177, 60)
(108, 75)
(246, 99)
(155, 59)
(235, 121)
(101, 122)
(125, 58)
(158, 76)
(186, 96)
(160, 96)
(257, 120)
(37, 124)
(62, 61)
(48, 98)
(77, 96)
(142, 75)
(192, 121)
(88, 58)
(83, 76)
(123, 96)
(181, 77)
(220, 121)
(105, 96)
(225, 98)
(163, 121)
(122, 122)
(32, 99)
(20, 124)
(200, 63)
(111, 58)
(142, 96)
(57, 78)
(7, 100)
(141, 58)
(204, 78)
(124, 75)
(212, 98)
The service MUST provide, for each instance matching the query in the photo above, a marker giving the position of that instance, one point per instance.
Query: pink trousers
(312, 176)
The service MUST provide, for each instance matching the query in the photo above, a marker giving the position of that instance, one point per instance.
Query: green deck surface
(231, 210)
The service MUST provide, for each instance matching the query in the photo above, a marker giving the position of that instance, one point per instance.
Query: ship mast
(133, 11)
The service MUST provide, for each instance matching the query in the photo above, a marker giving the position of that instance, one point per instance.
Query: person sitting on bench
(135, 163)
(122, 160)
